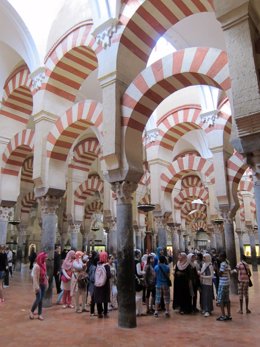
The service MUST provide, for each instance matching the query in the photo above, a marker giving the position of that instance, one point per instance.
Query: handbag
(169, 282)
(250, 283)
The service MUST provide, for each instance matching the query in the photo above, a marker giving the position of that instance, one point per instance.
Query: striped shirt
(224, 279)
(242, 273)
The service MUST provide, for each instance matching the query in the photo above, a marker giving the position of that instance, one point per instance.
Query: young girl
(67, 267)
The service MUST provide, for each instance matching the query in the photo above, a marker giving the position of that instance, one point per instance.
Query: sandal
(248, 311)
(222, 318)
(31, 315)
(40, 317)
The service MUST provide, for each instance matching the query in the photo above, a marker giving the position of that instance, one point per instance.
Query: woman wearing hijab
(40, 283)
(182, 285)
(78, 282)
(67, 270)
(206, 279)
(91, 269)
(195, 280)
(102, 293)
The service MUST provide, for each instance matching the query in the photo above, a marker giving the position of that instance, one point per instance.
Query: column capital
(49, 204)
(5, 213)
(124, 191)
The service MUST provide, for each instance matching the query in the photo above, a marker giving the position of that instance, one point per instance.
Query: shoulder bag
(250, 283)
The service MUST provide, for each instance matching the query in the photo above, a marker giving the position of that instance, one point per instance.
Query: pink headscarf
(41, 261)
(68, 261)
(103, 257)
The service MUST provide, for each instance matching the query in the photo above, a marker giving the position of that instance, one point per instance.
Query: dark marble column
(49, 205)
(240, 239)
(251, 234)
(161, 231)
(218, 237)
(230, 248)
(257, 202)
(125, 255)
(175, 241)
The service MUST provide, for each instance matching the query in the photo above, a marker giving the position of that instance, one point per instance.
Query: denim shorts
(2, 274)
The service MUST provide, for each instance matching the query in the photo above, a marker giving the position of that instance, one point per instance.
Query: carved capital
(38, 77)
(159, 222)
(6, 213)
(49, 204)
(228, 219)
(124, 191)
(75, 228)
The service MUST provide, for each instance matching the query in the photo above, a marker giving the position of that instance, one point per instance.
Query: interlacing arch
(72, 124)
(191, 193)
(187, 67)
(84, 153)
(200, 224)
(182, 166)
(17, 103)
(17, 150)
(93, 207)
(27, 171)
(235, 170)
(70, 62)
(188, 207)
(27, 202)
(191, 181)
(88, 189)
(146, 21)
(194, 217)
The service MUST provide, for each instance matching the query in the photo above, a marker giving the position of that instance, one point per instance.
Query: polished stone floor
(65, 328)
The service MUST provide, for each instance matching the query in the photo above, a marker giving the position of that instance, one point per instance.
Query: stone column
(49, 205)
(230, 247)
(181, 241)
(125, 254)
(20, 248)
(240, 240)
(160, 229)
(257, 202)
(218, 237)
(5, 213)
(175, 241)
(74, 233)
(138, 238)
(84, 240)
(251, 234)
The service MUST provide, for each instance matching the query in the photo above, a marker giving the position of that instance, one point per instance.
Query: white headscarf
(189, 256)
(207, 262)
(183, 263)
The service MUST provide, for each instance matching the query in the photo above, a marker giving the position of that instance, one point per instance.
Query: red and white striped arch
(235, 170)
(181, 120)
(194, 217)
(181, 167)
(27, 171)
(189, 194)
(199, 225)
(72, 124)
(146, 21)
(27, 202)
(188, 207)
(88, 189)
(17, 101)
(85, 152)
(187, 67)
(93, 207)
(191, 181)
(17, 150)
(71, 62)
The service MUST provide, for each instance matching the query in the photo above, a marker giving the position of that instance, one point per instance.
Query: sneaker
(31, 315)
(40, 317)
(222, 318)
(64, 306)
(206, 314)
(156, 314)
(228, 318)
(70, 306)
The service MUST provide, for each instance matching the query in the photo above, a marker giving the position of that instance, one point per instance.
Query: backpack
(82, 280)
(100, 275)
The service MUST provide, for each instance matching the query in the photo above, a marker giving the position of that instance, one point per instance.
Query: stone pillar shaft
(125, 252)
(252, 246)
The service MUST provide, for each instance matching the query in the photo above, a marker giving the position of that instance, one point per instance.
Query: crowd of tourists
(88, 282)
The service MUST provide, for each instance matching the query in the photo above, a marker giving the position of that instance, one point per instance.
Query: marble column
(257, 202)
(49, 220)
(125, 254)
(175, 241)
(181, 241)
(138, 238)
(84, 240)
(230, 248)
(20, 246)
(251, 234)
(5, 213)
(74, 233)
(240, 240)
(161, 230)
(218, 237)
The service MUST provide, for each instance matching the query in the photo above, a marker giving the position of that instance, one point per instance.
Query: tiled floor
(65, 328)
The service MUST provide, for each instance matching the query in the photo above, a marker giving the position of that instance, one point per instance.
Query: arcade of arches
(115, 104)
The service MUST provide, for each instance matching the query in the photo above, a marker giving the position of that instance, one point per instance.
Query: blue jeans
(38, 300)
